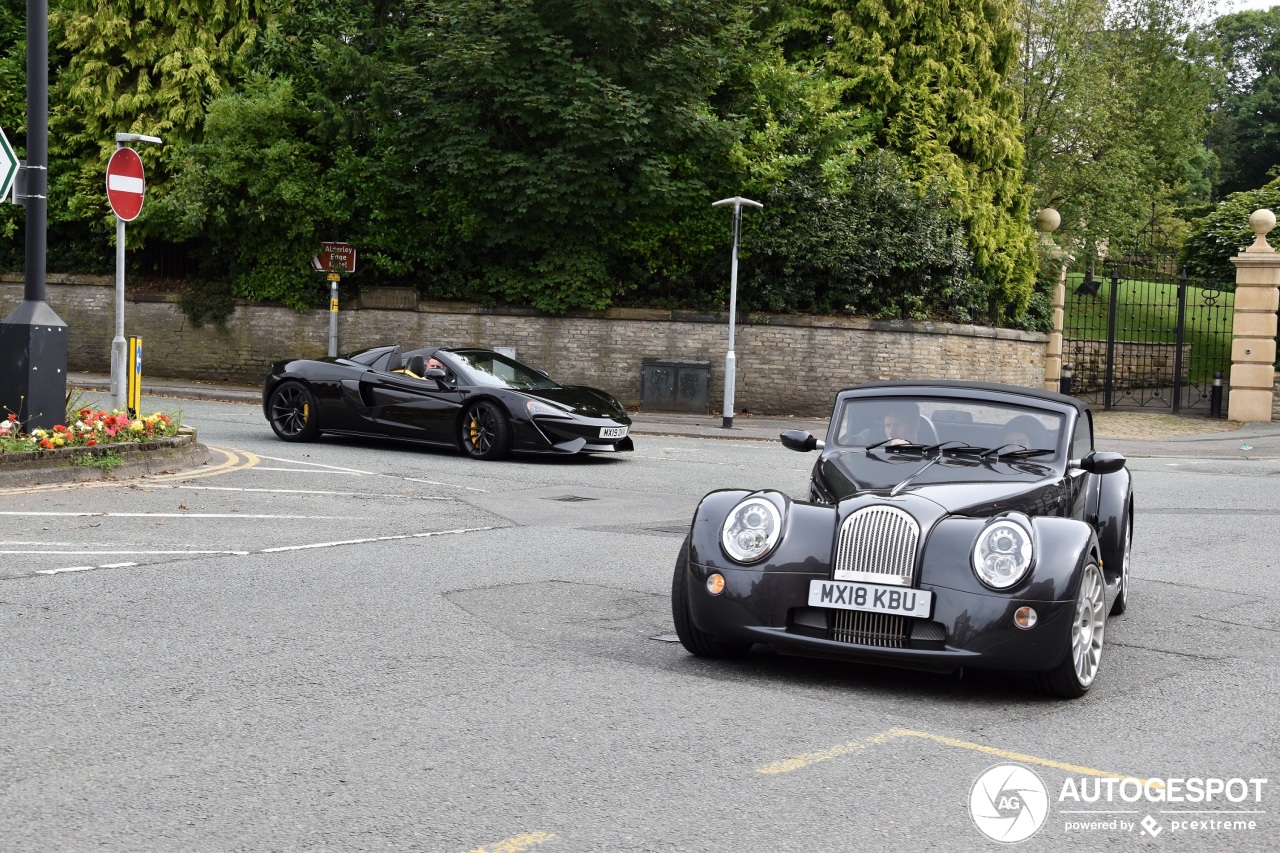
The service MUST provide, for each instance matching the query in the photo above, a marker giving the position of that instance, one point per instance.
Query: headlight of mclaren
(537, 407)
(751, 530)
(1002, 555)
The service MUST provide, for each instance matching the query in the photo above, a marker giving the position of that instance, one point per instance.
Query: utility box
(675, 385)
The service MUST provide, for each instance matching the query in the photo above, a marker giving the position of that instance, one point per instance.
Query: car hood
(582, 400)
(966, 488)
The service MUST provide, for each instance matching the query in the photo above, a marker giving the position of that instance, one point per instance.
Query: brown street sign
(335, 258)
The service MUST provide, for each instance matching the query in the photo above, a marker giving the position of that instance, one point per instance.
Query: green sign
(8, 166)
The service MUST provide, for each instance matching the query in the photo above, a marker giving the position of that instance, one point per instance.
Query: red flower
(91, 442)
(46, 444)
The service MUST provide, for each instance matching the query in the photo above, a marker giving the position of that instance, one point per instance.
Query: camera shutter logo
(1008, 803)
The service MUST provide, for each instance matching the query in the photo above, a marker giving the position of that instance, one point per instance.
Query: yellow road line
(796, 762)
(516, 844)
(233, 460)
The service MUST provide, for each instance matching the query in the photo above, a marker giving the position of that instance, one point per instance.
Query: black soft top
(934, 387)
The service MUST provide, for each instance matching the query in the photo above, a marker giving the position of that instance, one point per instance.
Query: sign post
(335, 259)
(126, 189)
(135, 376)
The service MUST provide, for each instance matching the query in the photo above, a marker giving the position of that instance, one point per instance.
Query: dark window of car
(494, 370)
(867, 421)
(1082, 446)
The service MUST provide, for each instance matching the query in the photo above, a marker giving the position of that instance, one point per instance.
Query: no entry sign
(126, 184)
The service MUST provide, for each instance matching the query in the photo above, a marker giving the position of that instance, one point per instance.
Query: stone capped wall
(786, 364)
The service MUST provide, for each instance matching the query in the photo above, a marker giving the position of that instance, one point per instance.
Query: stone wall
(785, 364)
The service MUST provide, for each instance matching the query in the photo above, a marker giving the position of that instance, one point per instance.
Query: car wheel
(697, 642)
(486, 434)
(1121, 604)
(293, 412)
(1075, 675)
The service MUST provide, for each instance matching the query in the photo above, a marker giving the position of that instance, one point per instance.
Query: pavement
(1136, 434)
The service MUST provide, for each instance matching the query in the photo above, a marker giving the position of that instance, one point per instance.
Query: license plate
(613, 432)
(872, 598)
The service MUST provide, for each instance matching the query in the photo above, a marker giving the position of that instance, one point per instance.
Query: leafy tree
(1114, 98)
(938, 75)
(1225, 232)
(532, 140)
(1246, 131)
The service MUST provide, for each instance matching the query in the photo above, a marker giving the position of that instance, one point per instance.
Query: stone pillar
(1047, 221)
(1253, 329)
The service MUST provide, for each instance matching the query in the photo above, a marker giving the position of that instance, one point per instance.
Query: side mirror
(435, 373)
(798, 439)
(1100, 462)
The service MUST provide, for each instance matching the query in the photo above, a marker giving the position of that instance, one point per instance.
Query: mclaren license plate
(613, 432)
(899, 601)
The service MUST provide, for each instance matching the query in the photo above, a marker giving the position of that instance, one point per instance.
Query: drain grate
(571, 499)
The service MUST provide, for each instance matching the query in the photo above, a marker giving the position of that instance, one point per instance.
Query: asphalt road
(353, 646)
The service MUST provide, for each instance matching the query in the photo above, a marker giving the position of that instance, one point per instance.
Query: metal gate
(1146, 336)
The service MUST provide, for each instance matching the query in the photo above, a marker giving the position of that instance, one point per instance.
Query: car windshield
(495, 370)
(965, 427)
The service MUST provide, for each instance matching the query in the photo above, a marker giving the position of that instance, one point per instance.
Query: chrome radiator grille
(877, 545)
(870, 629)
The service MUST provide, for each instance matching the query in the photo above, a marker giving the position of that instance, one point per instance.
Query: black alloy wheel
(294, 415)
(485, 432)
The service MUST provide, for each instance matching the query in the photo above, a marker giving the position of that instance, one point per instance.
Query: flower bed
(87, 428)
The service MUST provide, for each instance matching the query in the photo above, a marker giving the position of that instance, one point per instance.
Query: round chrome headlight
(1002, 554)
(751, 530)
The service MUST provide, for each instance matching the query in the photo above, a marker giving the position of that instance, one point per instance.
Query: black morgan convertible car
(949, 525)
(482, 402)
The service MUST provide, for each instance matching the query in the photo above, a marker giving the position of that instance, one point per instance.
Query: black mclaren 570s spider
(482, 402)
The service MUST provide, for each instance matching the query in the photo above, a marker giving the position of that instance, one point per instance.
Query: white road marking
(116, 565)
(308, 492)
(133, 552)
(368, 473)
(306, 471)
(190, 515)
(68, 569)
(372, 539)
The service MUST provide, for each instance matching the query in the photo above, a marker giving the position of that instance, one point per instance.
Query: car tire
(1078, 670)
(293, 412)
(1121, 604)
(696, 642)
(485, 432)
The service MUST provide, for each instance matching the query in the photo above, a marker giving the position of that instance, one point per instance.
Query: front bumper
(972, 629)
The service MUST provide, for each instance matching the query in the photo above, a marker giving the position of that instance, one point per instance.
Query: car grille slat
(870, 629)
(877, 544)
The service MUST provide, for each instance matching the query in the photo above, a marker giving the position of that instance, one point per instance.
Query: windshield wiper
(1019, 452)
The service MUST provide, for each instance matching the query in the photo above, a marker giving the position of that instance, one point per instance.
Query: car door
(405, 407)
(1082, 487)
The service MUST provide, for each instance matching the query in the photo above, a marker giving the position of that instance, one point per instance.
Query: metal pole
(730, 359)
(37, 149)
(730, 366)
(118, 343)
(333, 315)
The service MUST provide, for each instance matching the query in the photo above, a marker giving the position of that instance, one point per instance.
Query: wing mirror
(435, 373)
(798, 439)
(1100, 462)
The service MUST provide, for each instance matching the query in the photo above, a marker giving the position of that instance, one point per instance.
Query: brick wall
(785, 364)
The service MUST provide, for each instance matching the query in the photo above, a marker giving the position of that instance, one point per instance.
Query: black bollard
(1215, 396)
(1064, 384)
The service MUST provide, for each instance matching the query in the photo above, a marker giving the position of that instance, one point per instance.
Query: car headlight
(537, 407)
(751, 530)
(1002, 555)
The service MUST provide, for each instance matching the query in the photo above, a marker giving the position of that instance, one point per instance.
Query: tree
(1115, 97)
(1246, 130)
(938, 75)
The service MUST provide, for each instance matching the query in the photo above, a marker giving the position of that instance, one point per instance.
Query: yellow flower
(58, 440)
(136, 426)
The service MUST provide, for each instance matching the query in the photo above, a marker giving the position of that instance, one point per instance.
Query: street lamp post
(119, 355)
(730, 369)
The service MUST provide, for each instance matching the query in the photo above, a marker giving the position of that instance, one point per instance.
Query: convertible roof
(973, 387)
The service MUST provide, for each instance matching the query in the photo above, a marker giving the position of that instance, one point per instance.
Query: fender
(1061, 546)
(1115, 512)
(805, 544)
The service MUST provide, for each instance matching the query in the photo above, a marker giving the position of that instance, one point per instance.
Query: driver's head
(434, 362)
(902, 421)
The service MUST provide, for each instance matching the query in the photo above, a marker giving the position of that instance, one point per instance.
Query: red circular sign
(126, 184)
